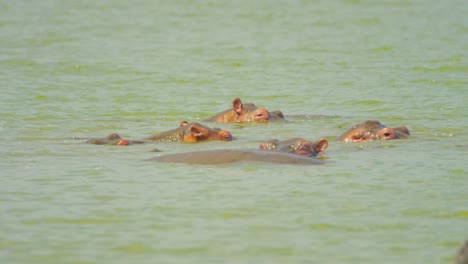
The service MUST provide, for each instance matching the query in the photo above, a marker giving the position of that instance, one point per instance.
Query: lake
(71, 70)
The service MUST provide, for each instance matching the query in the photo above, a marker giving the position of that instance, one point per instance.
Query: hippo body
(247, 112)
(373, 130)
(291, 151)
(192, 132)
(227, 156)
(114, 139)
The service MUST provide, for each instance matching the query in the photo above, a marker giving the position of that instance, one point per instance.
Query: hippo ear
(237, 105)
(278, 113)
(183, 123)
(195, 131)
(321, 144)
(402, 129)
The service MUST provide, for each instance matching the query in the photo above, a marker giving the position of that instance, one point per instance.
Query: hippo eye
(386, 134)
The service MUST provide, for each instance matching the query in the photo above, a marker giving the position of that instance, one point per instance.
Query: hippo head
(196, 132)
(111, 139)
(115, 139)
(373, 130)
(297, 146)
(240, 112)
(249, 112)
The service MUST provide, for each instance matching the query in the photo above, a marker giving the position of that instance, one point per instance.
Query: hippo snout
(226, 135)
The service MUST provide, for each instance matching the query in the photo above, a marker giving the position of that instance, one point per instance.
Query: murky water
(86, 69)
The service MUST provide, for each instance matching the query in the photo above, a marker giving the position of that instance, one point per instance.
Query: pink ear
(123, 142)
(237, 105)
(183, 123)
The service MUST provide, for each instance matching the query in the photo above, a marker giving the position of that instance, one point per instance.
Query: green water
(88, 68)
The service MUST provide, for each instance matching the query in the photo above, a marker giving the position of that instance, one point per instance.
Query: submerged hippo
(226, 156)
(192, 132)
(462, 255)
(114, 139)
(245, 113)
(297, 146)
(373, 130)
(293, 151)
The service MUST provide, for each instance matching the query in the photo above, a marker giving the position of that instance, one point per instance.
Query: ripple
(382, 49)
(366, 102)
(440, 69)
(135, 248)
(324, 226)
(87, 221)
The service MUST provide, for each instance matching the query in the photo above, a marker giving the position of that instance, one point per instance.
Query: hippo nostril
(227, 136)
(387, 134)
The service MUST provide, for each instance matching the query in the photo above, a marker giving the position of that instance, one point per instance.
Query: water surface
(85, 69)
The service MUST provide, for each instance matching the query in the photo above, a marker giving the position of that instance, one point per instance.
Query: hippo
(226, 156)
(297, 146)
(247, 112)
(462, 255)
(292, 151)
(192, 132)
(114, 139)
(373, 130)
